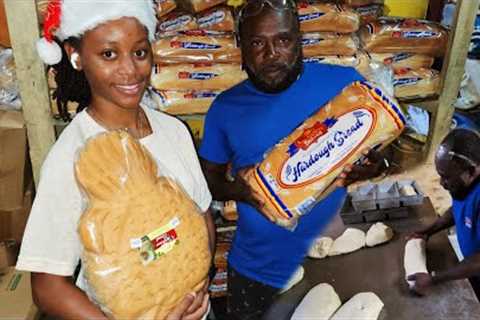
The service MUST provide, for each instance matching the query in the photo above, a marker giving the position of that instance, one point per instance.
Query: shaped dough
(318, 304)
(351, 240)
(378, 233)
(320, 247)
(364, 306)
(415, 260)
(294, 279)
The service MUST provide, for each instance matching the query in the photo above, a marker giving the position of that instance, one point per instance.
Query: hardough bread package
(301, 169)
(196, 46)
(404, 35)
(164, 6)
(196, 76)
(145, 242)
(217, 19)
(184, 102)
(315, 17)
(369, 13)
(413, 84)
(399, 61)
(177, 21)
(329, 44)
(359, 61)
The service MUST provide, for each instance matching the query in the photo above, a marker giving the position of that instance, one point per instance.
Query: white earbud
(73, 60)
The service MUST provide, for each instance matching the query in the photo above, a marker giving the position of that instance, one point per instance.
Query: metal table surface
(380, 270)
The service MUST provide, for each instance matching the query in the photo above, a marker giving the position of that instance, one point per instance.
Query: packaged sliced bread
(390, 35)
(217, 19)
(199, 5)
(177, 21)
(302, 168)
(399, 61)
(413, 84)
(359, 3)
(369, 13)
(359, 61)
(329, 44)
(144, 241)
(321, 17)
(198, 77)
(184, 102)
(164, 6)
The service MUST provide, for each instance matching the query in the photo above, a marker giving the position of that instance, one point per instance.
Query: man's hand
(247, 194)
(419, 234)
(373, 165)
(423, 281)
(193, 307)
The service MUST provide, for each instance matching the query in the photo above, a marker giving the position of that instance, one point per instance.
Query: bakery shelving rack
(23, 26)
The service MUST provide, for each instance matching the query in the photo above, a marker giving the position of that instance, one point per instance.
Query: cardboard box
(13, 159)
(13, 222)
(16, 296)
(4, 34)
(8, 253)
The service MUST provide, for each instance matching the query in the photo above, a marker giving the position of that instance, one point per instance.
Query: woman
(105, 66)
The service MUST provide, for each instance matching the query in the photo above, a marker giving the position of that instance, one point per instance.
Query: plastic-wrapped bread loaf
(145, 242)
(412, 84)
(165, 6)
(359, 61)
(369, 13)
(184, 102)
(301, 169)
(217, 19)
(404, 60)
(177, 21)
(359, 3)
(196, 47)
(404, 35)
(328, 44)
(328, 17)
(200, 5)
(196, 76)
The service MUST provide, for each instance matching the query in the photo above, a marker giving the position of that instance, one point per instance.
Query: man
(458, 163)
(248, 120)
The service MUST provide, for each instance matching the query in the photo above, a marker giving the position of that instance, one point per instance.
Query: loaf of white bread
(419, 83)
(328, 44)
(302, 168)
(317, 16)
(145, 242)
(399, 61)
(360, 61)
(177, 21)
(217, 19)
(184, 102)
(199, 5)
(165, 6)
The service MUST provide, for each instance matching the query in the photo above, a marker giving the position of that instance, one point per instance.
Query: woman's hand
(193, 307)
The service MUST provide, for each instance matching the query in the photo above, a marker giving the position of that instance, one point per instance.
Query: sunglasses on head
(254, 7)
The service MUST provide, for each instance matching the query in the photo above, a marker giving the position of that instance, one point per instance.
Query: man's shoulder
(237, 91)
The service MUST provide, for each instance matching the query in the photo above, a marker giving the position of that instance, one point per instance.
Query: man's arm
(211, 230)
(443, 222)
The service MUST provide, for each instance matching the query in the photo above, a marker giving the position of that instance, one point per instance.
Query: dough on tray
(364, 306)
(351, 240)
(320, 247)
(378, 233)
(319, 304)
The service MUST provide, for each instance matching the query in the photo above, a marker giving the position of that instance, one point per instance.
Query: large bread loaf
(400, 61)
(328, 44)
(145, 243)
(413, 84)
(301, 169)
(185, 102)
(328, 17)
(177, 21)
(217, 19)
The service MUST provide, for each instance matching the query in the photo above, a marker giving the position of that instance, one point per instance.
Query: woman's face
(117, 60)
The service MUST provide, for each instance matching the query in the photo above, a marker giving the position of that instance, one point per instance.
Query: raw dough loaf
(408, 191)
(404, 35)
(184, 102)
(378, 233)
(318, 304)
(320, 248)
(413, 84)
(328, 44)
(300, 170)
(400, 61)
(196, 47)
(165, 6)
(351, 240)
(198, 77)
(415, 259)
(315, 17)
(177, 21)
(294, 279)
(145, 242)
(362, 306)
(217, 19)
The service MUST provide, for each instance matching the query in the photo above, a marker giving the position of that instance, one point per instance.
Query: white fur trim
(49, 52)
(79, 16)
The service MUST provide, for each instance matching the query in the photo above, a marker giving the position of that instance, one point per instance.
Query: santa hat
(67, 18)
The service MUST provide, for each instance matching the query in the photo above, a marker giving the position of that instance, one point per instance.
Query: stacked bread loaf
(196, 56)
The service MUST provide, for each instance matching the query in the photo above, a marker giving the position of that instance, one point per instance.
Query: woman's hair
(72, 85)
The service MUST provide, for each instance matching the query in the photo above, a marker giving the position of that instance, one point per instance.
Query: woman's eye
(109, 54)
(141, 53)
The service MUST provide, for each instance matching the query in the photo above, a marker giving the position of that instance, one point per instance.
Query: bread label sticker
(159, 242)
(211, 19)
(310, 16)
(310, 42)
(200, 95)
(196, 75)
(415, 34)
(194, 45)
(175, 24)
(406, 81)
(324, 146)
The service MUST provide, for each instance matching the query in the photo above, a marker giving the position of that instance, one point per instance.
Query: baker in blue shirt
(246, 121)
(458, 163)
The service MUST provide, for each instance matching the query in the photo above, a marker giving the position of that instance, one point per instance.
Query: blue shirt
(241, 126)
(466, 214)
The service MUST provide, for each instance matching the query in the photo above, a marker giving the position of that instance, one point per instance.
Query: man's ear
(73, 56)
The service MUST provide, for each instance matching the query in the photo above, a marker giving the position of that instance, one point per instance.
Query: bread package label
(164, 6)
(302, 168)
(143, 238)
(369, 13)
(328, 44)
(184, 102)
(177, 21)
(315, 17)
(404, 35)
(218, 19)
(196, 76)
(413, 84)
(196, 46)
(404, 60)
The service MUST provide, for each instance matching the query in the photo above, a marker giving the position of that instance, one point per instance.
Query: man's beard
(462, 192)
(291, 75)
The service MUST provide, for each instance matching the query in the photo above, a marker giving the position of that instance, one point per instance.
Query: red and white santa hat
(67, 18)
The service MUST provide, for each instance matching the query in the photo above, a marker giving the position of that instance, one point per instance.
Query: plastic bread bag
(9, 91)
(199, 5)
(360, 61)
(400, 61)
(302, 168)
(144, 241)
(369, 13)
(196, 46)
(415, 84)
(217, 19)
(329, 44)
(327, 17)
(393, 35)
(184, 102)
(164, 6)
(177, 21)
(360, 3)
(198, 77)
